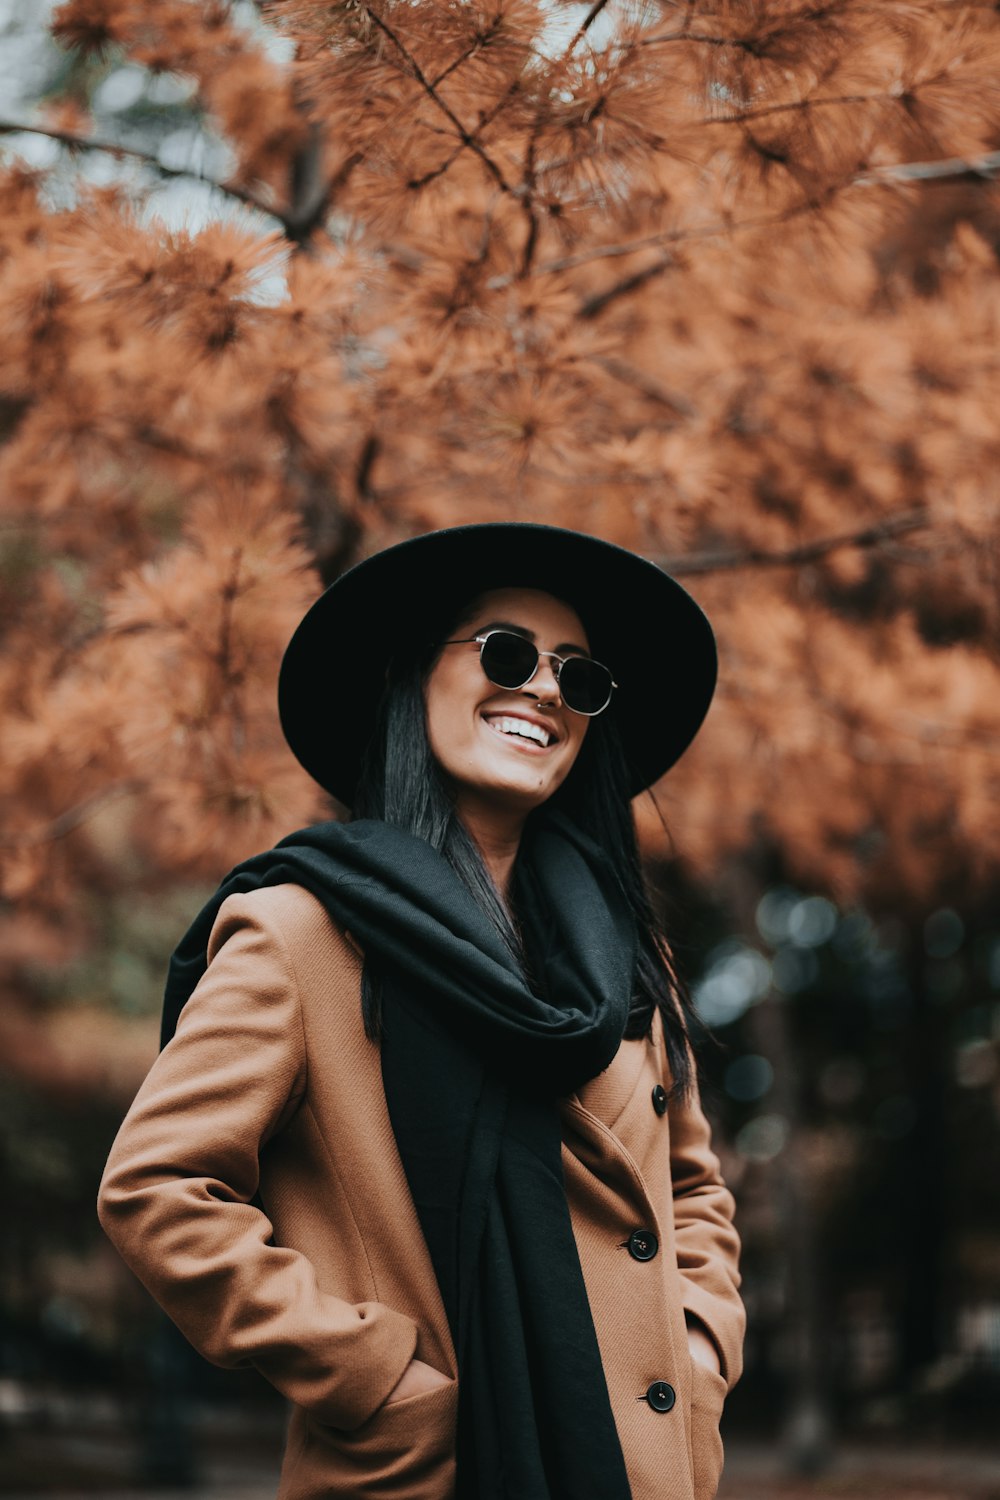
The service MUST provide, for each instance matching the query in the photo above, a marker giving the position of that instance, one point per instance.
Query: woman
(423, 1144)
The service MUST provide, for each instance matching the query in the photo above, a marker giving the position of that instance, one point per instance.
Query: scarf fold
(473, 1064)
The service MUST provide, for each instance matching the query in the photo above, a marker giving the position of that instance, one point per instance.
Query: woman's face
(486, 763)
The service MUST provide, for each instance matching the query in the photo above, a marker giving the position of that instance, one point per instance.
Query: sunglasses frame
(561, 661)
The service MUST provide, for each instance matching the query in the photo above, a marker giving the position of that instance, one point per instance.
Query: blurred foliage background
(830, 880)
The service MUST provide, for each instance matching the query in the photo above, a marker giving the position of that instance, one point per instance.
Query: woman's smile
(522, 731)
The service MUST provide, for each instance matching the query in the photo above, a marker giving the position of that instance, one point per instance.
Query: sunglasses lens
(508, 659)
(585, 685)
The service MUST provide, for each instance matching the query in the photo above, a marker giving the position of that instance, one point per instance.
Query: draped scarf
(474, 1061)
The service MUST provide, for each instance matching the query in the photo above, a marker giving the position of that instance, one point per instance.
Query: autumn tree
(716, 280)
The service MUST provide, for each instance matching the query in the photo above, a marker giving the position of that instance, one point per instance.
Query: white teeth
(523, 727)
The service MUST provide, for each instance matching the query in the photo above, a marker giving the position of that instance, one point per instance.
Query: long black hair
(401, 783)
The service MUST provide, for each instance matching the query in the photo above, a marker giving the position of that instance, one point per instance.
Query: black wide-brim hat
(640, 623)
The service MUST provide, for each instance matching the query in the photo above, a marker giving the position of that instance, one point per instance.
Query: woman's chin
(517, 789)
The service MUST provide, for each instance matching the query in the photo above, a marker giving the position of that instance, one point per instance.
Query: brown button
(642, 1244)
(660, 1100)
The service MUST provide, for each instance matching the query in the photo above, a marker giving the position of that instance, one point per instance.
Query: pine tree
(715, 280)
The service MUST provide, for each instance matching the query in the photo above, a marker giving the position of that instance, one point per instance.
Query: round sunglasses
(511, 661)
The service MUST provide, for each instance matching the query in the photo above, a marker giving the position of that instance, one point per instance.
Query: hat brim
(640, 622)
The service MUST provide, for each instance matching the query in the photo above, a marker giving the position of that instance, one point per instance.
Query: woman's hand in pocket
(416, 1380)
(702, 1348)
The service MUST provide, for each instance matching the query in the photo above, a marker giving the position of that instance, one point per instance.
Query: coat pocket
(405, 1451)
(708, 1395)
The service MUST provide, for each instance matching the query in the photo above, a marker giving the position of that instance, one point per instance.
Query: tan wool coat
(270, 1084)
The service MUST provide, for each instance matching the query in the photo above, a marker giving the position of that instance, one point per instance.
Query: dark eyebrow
(564, 646)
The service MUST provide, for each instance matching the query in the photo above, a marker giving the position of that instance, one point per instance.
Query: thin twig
(638, 380)
(370, 449)
(309, 191)
(758, 557)
(528, 202)
(650, 241)
(693, 36)
(467, 137)
(982, 168)
(597, 302)
(66, 822)
(90, 143)
(584, 27)
(754, 45)
(470, 51)
(168, 442)
(593, 306)
(793, 105)
(979, 167)
(487, 119)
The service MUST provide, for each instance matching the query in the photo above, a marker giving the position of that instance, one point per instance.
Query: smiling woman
(424, 1142)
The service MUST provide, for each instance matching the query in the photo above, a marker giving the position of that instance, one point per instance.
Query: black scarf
(473, 1062)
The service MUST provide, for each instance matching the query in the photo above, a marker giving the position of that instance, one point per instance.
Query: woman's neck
(497, 835)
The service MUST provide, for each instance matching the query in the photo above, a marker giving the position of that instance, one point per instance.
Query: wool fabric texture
(474, 1060)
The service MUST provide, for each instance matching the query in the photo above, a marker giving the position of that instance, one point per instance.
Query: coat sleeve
(175, 1196)
(707, 1243)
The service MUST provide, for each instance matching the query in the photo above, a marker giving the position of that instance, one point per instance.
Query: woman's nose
(545, 684)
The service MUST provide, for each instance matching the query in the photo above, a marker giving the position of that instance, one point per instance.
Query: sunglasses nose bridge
(544, 681)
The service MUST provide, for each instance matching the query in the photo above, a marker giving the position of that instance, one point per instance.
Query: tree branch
(487, 119)
(598, 301)
(793, 105)
(754, 45)
(89, 143)
(724, 558)
(467, 138)
(66, 822)
(470, 51)
(638, 380)
(309, 191)
(584, 27)
(693, 36)
(528, 204)
(650, 241)
(592, 306)
(982, 168)
(976, 168)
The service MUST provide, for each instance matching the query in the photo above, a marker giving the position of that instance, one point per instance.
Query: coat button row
(660, 1100)
(642, 1244)
(660, 1396)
